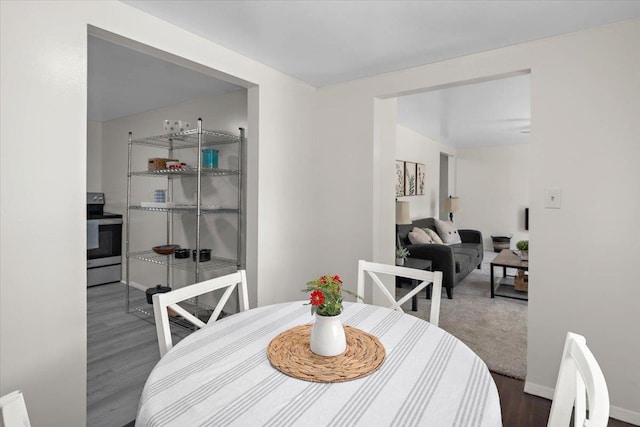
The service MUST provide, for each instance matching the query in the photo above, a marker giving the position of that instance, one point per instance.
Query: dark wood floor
(122, 350)
(521, 409)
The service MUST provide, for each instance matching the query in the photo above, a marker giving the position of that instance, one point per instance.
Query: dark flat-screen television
(526, 219)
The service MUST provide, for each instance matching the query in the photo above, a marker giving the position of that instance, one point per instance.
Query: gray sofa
(455, 261)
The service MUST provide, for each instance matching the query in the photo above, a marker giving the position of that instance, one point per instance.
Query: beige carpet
(495, 329)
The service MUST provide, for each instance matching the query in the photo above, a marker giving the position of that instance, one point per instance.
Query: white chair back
(170, 299)
(14, 410)
(426, 277)
(579, 372)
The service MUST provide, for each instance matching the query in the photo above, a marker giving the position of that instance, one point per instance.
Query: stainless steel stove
(104, 242)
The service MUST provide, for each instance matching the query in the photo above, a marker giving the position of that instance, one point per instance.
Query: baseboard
(538, 390)
(625, 415)
(136, 285)
(615, 412)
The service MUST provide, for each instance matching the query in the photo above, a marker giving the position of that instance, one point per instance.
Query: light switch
(552, 198)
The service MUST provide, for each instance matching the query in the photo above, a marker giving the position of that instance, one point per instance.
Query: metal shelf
(188, 139)
(187, 209)
(187, 264)
(182, 326)
(187, 172)
(196, 139)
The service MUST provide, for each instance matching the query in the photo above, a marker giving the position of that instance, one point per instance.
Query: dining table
(220, 375)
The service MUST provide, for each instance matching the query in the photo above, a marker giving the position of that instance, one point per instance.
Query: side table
(420, 264)
(508, 259)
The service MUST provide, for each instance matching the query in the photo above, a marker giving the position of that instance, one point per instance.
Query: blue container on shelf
(209, 158)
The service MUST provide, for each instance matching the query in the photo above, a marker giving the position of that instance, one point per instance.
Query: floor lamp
(452, 204)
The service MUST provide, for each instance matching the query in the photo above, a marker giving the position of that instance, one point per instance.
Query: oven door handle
(108, 221)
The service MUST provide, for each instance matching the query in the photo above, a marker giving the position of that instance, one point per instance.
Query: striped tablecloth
(220, 376)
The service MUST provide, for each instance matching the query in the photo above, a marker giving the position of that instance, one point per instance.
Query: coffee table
(508, 259)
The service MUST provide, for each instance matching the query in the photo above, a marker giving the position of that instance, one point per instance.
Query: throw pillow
(448, 232)
(434, 236)
(417, 236)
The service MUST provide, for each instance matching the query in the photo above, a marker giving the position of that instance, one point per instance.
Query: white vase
(400, 261)
(327, 336)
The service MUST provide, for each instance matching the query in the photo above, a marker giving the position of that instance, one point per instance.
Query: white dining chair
(170, 300)
(425, 277)
(579, 371)
(14, 410)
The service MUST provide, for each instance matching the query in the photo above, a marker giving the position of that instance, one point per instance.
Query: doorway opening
(136, 88)
(445, 189)
(476, 138)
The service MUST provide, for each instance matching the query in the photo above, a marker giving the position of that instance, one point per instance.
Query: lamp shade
(452, 204)
(403, 216)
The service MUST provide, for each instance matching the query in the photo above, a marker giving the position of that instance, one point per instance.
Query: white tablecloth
(221, 376)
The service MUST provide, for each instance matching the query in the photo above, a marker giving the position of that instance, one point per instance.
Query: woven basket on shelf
(521, 281)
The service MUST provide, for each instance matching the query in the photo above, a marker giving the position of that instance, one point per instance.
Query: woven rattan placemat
(289, 352)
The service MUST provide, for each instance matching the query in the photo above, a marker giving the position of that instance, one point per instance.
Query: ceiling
(495, 112)
(122, 82)
(327, 42)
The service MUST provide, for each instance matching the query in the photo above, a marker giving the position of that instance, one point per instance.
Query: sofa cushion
(418, 236)
(469, 253)
(474, 249)
(447, 231)
(434, 236)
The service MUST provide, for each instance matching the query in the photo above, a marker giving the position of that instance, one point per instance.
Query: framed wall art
(399, 178)
(410, 188)
(420, 178)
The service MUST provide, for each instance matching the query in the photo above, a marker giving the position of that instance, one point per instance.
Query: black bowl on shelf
(158, 289)
(181, 253)
(205, 255)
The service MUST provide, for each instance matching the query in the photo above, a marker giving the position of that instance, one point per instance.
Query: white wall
(43, 306)
(94, 156)
(585, 104)
(590, 82)
(493, 186)
(414, 147)
(226, 112)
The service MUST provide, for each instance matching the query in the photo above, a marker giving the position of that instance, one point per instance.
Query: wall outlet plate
(552, 198)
